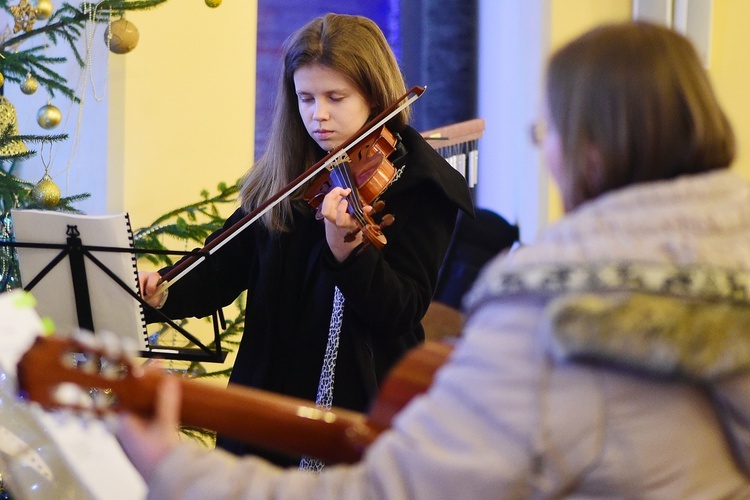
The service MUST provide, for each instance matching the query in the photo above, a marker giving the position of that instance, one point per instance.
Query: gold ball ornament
(2, 79)
(49, 116)
(43, 8)
(213, 3)
(46, 192)
(123, 38)
(8, 118)
(30, 85)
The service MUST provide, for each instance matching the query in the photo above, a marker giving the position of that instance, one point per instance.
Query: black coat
(290, 280)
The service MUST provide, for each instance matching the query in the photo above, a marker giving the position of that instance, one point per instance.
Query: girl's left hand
(339, 223)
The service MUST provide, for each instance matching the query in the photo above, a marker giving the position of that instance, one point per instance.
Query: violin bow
(192, 261)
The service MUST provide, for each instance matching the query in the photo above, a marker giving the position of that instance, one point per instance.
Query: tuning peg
(387, 220)
(69, 394)
(111, 344)
(86, 339)
(102, 399)
(91, 364)
(113, 370)
(377, 207)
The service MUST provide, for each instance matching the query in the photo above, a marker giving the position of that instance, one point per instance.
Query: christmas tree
(27, 60)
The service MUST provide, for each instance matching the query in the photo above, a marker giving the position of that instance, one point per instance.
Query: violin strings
(342, 172)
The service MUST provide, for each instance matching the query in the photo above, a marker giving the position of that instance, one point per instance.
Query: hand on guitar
(147, 441)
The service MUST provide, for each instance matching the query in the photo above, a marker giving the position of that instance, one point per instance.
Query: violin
(189, 263)
(367, 172)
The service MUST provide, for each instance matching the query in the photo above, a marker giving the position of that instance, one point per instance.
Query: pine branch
(7, 137)
(66, 24)
(72, 19)
(226, 195)
(41, 138)
(190, 223)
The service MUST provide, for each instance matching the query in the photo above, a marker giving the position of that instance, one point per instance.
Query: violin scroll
(373, 232)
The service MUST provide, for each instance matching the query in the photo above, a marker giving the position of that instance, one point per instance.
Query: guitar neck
(276, 422)
(268, 420)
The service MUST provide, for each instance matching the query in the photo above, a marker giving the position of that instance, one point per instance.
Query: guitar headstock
(81, 374)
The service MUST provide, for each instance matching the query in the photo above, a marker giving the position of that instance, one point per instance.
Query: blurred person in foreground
(608, 359)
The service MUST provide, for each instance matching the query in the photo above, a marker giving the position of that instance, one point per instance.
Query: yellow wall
(729, 68)
(182, 113)
(729, 64)
(185, 101)
(570, 18)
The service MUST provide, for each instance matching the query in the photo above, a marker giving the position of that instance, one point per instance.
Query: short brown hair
(638, 94)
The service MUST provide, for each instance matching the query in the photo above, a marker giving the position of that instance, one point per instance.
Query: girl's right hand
(149, 282)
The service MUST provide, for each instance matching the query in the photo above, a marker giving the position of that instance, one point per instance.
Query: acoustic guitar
(66, 372)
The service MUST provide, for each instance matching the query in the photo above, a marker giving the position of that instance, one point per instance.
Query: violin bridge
(339, 159)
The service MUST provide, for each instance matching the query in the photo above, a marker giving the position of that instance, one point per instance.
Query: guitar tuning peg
(70, 395)
(113, 370)
(86, 339)
(70, 360)
(110, 343)
(102, 399)
(91, 364)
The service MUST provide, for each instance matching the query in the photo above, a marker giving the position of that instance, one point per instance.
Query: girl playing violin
(327, 314)
(607, 359)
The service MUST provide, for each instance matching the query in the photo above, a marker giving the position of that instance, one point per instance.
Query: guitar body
(48, 374)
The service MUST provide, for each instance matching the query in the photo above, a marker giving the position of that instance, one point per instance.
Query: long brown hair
(355, 47)
(636, 95)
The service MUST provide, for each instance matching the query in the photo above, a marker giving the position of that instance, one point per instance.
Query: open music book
(112, 308)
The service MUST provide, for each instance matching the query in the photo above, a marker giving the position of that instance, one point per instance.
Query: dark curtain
(439, 50)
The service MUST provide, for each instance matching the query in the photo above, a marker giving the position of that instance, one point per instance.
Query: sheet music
(112, 308)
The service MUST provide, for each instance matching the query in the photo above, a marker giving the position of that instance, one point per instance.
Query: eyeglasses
(538, 132)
